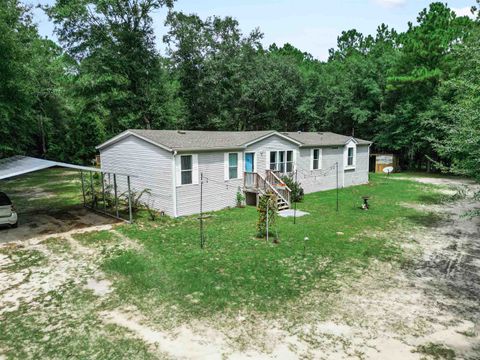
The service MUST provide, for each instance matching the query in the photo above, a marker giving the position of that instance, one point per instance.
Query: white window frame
(312, 159)
(352, 146)
(277, 160)
(178, 169)
(227, 165)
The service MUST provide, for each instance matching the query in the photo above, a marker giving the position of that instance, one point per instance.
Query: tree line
(415, 93)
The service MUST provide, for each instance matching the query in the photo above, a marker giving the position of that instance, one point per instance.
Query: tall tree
(119, 67)
(425, 60)
(32, 108)
(461, 96)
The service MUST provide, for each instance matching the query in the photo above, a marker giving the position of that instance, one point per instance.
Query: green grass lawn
(238, 271)
(45, 190)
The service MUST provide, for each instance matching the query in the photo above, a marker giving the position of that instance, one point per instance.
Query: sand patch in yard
(99, 287)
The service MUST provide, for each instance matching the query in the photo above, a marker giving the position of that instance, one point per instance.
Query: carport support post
(268, 200)
(83, 188)
(295, 203)
(91, 188)
(129, 200)
(201, 211)
(336, 167)
(103, 193)
(116, 195)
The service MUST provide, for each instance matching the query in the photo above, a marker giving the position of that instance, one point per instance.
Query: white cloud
(465, 11)
(391, 3)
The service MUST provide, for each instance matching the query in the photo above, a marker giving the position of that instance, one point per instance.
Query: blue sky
(310, 25)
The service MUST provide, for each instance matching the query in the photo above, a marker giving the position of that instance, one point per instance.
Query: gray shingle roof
(200, 140)
(181, 140)
(322, 138)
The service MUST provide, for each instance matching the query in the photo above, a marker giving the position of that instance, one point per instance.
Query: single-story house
(172, 164)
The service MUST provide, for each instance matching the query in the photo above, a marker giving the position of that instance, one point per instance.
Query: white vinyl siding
(358, 174)
(150, 167)
(320, 179)
(217, 193)
(263, 148)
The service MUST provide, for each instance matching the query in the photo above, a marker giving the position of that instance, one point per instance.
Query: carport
(96, 201)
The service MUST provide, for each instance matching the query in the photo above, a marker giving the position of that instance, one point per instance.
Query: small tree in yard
(297, 191)
(240, 199)
(267, 202)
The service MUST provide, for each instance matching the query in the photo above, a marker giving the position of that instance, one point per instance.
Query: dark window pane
(289, 166)
(233, 159)
(315, 154)
(289, 155)
(232, 172)
(186, 177)
(350, 157)
(273, 156)
(281, 167)
(186, 162)
(273, 160)
(282, 156)
(315, 164)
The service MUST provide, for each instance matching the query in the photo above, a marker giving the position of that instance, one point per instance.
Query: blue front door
(249, 161)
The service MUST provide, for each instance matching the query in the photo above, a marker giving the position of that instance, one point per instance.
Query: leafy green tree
(413, 119)
(120, 77)
(32, 109)
(462, 111)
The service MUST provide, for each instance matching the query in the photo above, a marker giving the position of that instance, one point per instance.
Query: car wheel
(15, 225)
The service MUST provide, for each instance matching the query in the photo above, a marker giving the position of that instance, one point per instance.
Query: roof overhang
(203, 150)
(126, 134)
(19, 165)
(273, 133)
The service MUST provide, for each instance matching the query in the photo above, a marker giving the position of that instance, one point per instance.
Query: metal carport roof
(18, 165)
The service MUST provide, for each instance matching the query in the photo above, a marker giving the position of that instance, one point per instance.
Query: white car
(8, 215)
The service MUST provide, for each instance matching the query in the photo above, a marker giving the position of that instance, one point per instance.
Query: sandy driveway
(42, 224)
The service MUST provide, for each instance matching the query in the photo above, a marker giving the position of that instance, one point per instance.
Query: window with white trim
(281, 161)
(316, 163)
(350, 156)
(233, 165)
(289, 161)
(186, 169)
(273, 160)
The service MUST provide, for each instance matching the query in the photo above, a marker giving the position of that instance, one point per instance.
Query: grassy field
(236, 270)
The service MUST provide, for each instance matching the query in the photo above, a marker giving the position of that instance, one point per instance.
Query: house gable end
(275, 133)
(127, 134)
